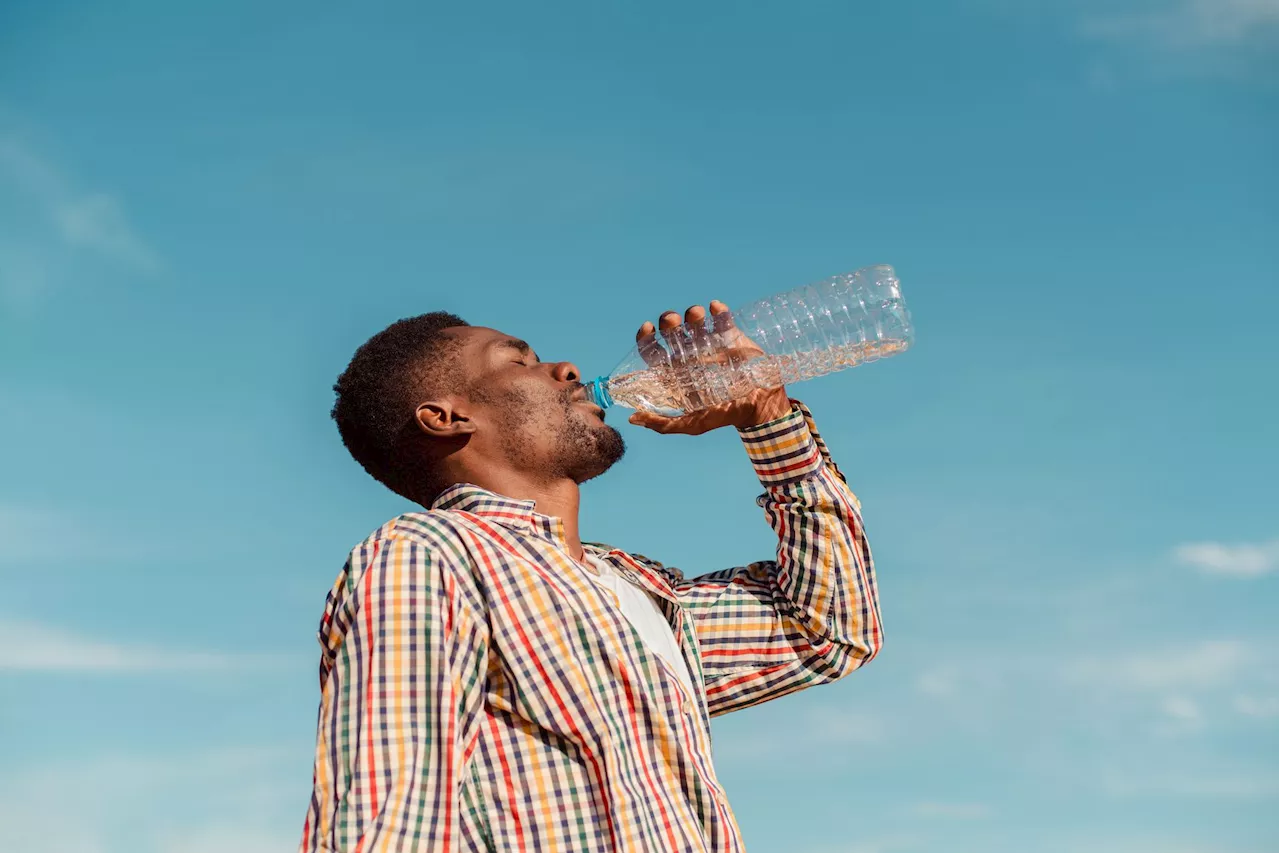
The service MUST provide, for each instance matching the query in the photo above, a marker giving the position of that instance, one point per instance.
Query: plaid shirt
(480, 693)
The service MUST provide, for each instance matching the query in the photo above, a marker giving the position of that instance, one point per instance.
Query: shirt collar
(508, 512)
(521, 516)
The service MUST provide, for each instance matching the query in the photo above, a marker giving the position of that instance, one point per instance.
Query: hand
(757, 407)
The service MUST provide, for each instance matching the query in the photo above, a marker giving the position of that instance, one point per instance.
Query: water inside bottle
(680, 388)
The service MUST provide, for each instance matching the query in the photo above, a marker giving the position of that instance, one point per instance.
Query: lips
(580, 397)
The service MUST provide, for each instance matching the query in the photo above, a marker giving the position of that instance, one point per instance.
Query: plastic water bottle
(838, 323)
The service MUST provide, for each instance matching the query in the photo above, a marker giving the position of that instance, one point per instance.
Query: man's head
(430, 401)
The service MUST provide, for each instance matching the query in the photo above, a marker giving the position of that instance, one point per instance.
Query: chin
(602, 450)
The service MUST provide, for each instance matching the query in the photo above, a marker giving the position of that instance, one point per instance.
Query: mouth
(580, 398)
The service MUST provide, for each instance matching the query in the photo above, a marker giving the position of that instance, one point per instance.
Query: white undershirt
(646, 617)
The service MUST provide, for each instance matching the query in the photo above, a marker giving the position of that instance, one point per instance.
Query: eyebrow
(516, 344)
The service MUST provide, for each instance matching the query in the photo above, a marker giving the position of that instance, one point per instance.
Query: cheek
(535, 411)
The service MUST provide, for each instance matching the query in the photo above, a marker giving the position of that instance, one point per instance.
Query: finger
(668, 323)
(693, 424)
(695, 323)
(649, 348)
(657, 423)
(647, 343)
(671, 329)
(721, 316)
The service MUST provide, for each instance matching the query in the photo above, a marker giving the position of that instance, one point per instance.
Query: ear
(440, 419)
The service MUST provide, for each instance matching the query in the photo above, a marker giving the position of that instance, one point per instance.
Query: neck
(557, 498)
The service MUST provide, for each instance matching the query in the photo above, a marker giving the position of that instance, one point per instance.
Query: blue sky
(1069, 481)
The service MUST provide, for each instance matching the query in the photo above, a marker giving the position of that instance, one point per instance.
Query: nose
(566, 371)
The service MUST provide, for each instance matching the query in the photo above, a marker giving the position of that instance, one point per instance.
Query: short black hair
(380, 390)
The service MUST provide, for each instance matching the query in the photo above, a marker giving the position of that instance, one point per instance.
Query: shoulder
(432, 540)
(413, 555)
(428, 528)
(435, 535)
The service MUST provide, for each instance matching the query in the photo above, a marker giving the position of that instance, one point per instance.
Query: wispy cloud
(1211, 663)
(36, 535)
(836, 727)
(220, 839)
(247, 800)
(1256, 706)
(84, 219)
(953, 680)
(1185, 24)
(1182, 715)
(1241, 560)
(97, 222)
(47, 216)
(33, 647)
(1174, 669)
(28, 534)
(1147, 843)
(900, 842)
(1179, 688)
(820, 735)
(1191, 785)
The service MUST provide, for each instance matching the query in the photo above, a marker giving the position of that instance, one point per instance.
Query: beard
(582, 446)
(586, 450)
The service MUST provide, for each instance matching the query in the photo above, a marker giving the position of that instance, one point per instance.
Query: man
(490, 682)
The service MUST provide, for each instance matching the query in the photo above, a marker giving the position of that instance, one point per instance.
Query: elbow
(835, 659)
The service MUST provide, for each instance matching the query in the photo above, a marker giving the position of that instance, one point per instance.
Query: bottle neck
(598, 392)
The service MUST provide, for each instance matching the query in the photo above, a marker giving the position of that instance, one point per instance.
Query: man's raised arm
(808, 617)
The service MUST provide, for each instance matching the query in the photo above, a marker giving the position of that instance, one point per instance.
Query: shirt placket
(692, 706)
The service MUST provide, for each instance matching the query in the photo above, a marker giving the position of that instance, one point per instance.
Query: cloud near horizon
(33, 647)
(247, 799)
